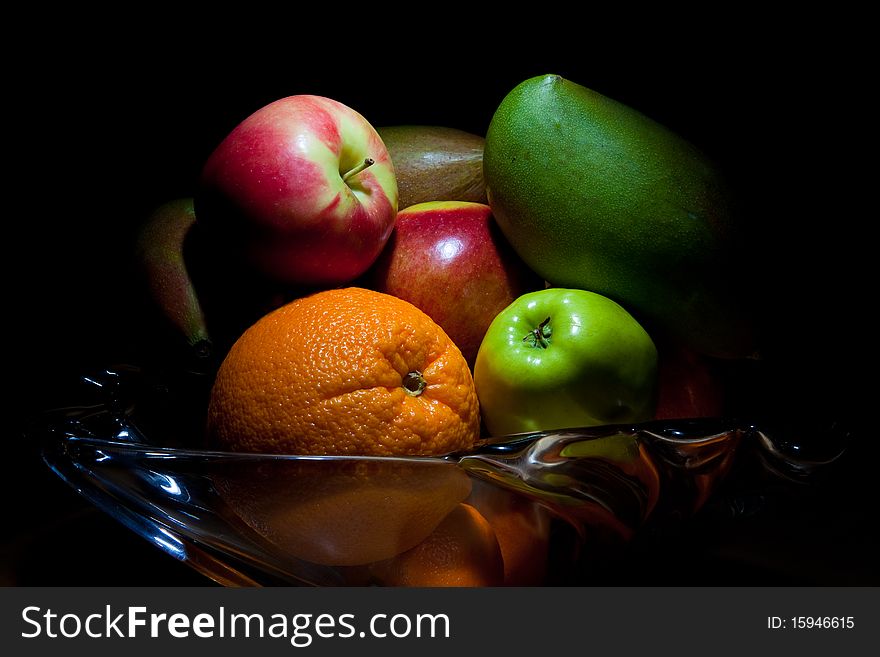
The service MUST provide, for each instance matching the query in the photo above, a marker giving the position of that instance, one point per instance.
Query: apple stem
(368, 162)
(539, 337)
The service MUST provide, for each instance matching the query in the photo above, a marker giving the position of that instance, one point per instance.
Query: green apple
(561, 358)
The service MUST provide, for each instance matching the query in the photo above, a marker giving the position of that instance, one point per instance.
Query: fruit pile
(403, 290)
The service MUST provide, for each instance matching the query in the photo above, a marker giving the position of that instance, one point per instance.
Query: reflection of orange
(615, 516)
(342, 512)
(345, 372)
(522, 527)
(706, 481)
(644, 470)
(461, 551)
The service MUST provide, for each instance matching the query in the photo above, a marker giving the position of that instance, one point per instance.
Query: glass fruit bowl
(516, 510)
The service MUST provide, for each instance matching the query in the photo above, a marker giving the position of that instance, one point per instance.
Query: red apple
(305, 188)
(689, 385)
(449, 259)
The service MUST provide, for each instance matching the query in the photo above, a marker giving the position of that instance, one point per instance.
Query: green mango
(594, 195)
(435, 163)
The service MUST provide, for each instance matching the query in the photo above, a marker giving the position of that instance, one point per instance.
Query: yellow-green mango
(594, 195)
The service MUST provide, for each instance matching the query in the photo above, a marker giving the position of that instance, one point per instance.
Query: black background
(110, 127)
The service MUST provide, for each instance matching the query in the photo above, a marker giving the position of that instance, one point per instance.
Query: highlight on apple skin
(449, 259)
(303, 189)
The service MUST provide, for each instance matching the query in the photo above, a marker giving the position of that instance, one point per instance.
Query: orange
(462, 551)
(522, 527)
(346, 371)
(341, 511)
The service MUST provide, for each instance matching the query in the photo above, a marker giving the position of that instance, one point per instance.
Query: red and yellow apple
(449, 259)
(305, 188)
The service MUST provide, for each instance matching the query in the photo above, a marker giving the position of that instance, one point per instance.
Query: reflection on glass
(520, 510)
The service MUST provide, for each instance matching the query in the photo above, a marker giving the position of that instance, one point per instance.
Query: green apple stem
(540, 336)
(414, 383)
(368, 162)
